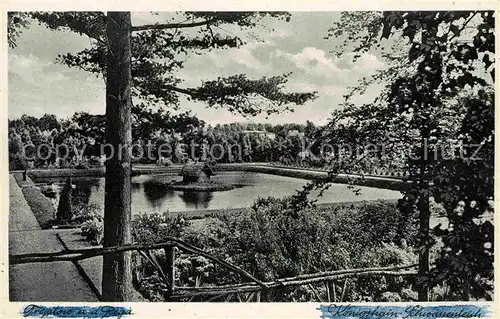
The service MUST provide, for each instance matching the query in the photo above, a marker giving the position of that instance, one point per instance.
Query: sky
(39, 85)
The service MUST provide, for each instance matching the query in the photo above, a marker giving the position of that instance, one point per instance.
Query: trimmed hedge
(95, 172)
(370, 181)
(155, 170)
(66, 172)
(41, 206)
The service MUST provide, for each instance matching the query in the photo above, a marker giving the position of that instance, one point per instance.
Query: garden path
(54, 281)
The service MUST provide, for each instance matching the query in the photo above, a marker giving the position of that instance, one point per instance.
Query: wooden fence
(251, 288)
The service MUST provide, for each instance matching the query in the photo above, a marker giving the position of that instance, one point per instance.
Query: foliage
(16, 21)
(17, 162)
(80, 197)
(82, 166)
(159, 50)
(92, 211)
(154, 227)
(426, 104)
(151, 287)
(274, 242)
(92, 230)
(463, 38)
(250, 97)
(90, 218)
(271, 242)
(466, 259)
(153, 131)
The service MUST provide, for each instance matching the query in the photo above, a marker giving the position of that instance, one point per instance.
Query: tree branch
(189, 92)
(463, 26)
(160, 26)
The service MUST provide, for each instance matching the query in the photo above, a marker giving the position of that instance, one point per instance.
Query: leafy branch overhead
(160, 50)
(407, 40)
(246, 96)
(438, 93)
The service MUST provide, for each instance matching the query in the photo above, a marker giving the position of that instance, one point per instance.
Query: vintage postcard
(233, 159)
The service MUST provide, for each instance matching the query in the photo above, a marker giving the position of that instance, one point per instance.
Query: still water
(148, 196)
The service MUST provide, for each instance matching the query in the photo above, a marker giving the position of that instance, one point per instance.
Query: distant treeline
(39, 139)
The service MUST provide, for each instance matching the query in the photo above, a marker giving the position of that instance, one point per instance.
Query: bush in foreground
(92, 230)
(271, 243)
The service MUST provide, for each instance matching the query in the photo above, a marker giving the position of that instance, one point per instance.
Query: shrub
(383, 222)
(380, 288)
(151, 228)
(154, 228)
(93, 172)
(436, 209)
(80, 197)
(271, 241)
(92, 230)
(91, 211)
(390, 296)
(92, 225)
(65, 164)
(65, 208)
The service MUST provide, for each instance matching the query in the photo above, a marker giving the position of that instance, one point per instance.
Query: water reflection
(196, 200)
(149, 193)
(156, 193)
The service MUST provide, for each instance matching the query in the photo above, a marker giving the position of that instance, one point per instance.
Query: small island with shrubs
(196, 177)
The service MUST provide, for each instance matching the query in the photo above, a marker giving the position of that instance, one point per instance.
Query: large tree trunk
(424, 218)
(423, 256)
(117, 273)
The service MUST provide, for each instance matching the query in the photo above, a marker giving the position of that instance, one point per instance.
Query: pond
(147, 196)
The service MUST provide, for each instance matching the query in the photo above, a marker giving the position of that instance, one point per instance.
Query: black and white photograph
(250, 156)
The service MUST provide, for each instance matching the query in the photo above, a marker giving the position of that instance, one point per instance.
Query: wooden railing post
(327, 287)
(256, 289)
(170, 267)
(334, 291)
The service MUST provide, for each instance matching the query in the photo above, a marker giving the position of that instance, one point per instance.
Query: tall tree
(117, 271)
(444, 54)
(144, 65)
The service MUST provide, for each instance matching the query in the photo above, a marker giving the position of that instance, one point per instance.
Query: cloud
(311, 59)
(366, 62)
(37, 84)
(17, 61)
(26, 67)
(315, 70)
(315, 61)
(322, 89)
(245, 56)
(31, 69)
